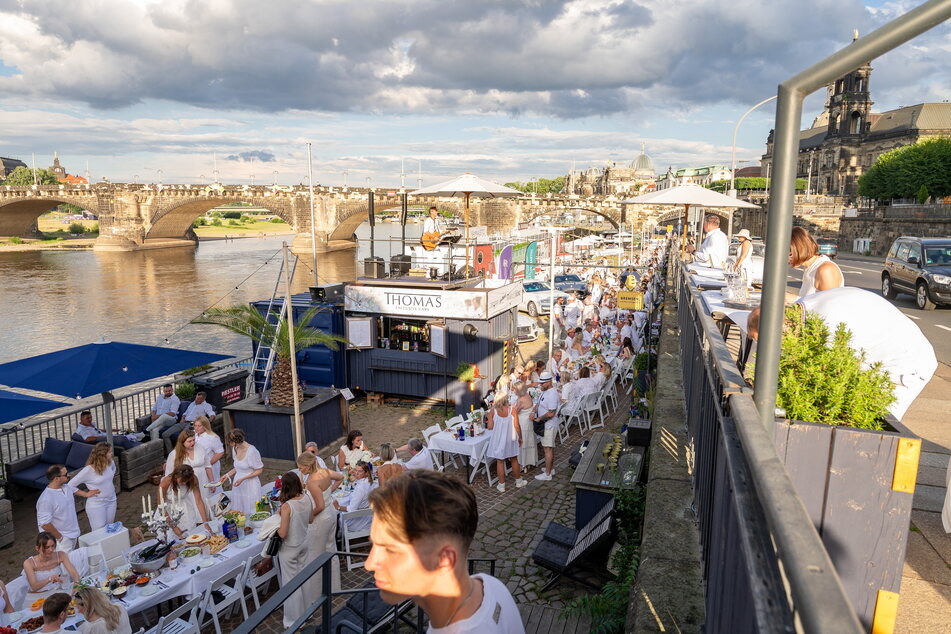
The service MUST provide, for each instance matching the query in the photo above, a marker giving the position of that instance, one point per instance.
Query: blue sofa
(30, 472)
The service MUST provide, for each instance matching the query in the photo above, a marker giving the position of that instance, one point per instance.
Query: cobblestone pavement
(510, 526)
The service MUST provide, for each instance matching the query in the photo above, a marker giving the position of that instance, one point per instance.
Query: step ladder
(264, 356)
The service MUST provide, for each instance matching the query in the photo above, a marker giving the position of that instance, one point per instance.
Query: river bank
(88, 243)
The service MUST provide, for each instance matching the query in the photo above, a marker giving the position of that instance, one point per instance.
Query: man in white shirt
(198, 407)
(421, 458)
(423, 526)
(92, 435)
(879, 329)
(546, 410)
(164, 412)
(56, 509)
(553, 367)
(588, 334)
(573, 312)
(432, 224)
(558, 314)
(715, 246)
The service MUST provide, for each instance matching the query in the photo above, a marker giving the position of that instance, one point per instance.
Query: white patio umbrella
(467, 185)
(689, 196)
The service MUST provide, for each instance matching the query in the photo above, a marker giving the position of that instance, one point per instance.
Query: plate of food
(32, 625)
(190, 552)
(37, 605)
(196, 538)
(120, 591)
(218, 543)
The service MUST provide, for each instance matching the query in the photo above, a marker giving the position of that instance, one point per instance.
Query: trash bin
(374, 267)
(222, 387)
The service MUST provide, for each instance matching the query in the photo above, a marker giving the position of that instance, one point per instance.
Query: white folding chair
(482, 462)
(17, 590)
(569, 412)
(79, 557)
(427, 434)
(255, 583)
(223, 595)
(594, 406)
(610, 392)
(182, 620)
(351, 537)
(455, 420)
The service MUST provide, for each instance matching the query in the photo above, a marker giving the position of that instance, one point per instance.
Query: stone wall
(883, 231)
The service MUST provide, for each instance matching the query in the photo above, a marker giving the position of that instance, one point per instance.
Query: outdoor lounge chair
(366, 611)
(562, 559)
(566, 536)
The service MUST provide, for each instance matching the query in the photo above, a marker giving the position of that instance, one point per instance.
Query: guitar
(430, 240)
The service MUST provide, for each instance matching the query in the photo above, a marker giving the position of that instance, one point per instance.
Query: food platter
(196, 538)
(190, 552)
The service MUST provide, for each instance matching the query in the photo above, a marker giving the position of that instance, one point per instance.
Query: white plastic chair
(230, 587)
(610, 392)
(79, 557)
(255, 582)
(440, 462)
(455, 420)
(482, 462)
(351, 537)
(182, 620)
(17, 591)
(594, 406)
(569, 412)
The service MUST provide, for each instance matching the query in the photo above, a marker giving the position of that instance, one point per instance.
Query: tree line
(917, 171)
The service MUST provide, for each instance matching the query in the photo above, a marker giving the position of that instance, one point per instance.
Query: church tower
(58, 170)
(850, 103)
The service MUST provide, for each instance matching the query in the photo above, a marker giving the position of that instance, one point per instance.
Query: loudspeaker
(400, 265)
(374, 267)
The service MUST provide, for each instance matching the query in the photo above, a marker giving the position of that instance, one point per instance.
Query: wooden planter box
(857, 486)
(269, 428)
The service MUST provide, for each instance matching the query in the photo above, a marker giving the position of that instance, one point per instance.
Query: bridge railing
(26, 437)
(764, 566)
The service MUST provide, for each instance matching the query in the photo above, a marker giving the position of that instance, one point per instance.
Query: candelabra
(164, 520)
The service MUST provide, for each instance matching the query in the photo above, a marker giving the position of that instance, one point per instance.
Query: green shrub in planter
(645, 361)
(821, 378)
(185, 391)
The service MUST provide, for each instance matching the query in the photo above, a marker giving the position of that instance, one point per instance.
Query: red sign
(231, 394)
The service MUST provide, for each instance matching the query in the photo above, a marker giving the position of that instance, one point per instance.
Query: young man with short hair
(56, 509)
(55, 612)
(423, 525)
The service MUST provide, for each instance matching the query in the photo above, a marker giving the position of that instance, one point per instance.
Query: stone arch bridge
(133, 217)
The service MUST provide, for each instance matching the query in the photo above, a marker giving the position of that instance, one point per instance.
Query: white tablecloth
(450, 443)
(714, 302)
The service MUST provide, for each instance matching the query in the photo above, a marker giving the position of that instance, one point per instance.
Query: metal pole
(313, 221)
(732, 191)
(551, 292)
(288, 300)
(467, 235)
(791, 94)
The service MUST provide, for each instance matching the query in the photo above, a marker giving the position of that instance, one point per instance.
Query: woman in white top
(48, 571)
(820, 273)
(208, 440)
(744, 260)
(102, 616)
(528, 449)
(576, 349)
(182, 487)
(5, 606)
(246, 485)
(362, 474)
(297, 511)
(319, 484)
(352, 451)
(98, 476)
(187, 451)
(505, 442)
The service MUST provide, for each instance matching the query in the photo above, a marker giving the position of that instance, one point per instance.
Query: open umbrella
(689, 196)
(99, 368)
(15, 406)
(467, 185)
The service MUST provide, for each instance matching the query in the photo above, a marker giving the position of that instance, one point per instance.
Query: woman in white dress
(362, 474)
(48, 571)
(319, 484)
(744, 257)
(5, 606)
(102, 616)
(505, 442)
(187, 451)
(208, 440)
(528, 447)
(576, 349)
(819, 272)
(98, 476)
(296, 513)
(181, 487)
(245, 483)
(351, 452)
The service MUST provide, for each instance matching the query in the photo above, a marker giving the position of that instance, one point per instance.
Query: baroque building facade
(847, 138)
(612, 179)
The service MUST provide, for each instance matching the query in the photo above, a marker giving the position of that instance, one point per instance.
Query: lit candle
(161, 501)
(150, 504)
(143, 505)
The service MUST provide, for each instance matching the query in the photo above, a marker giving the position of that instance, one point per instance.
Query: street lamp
(736, 128)
(551, 285)
(275, 178)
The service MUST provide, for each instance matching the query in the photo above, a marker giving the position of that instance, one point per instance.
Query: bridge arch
(535, 211)
(18, 216)
(175, 219)
(352, 217)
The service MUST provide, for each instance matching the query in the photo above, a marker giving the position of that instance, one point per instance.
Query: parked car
(921, 267)
(829, 247)
(536, 298)
(526, 328)
(571, 283)
(757, 257)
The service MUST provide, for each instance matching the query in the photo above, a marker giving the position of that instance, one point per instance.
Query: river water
(50, 300)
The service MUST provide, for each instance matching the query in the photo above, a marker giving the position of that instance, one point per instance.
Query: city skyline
(508, 90)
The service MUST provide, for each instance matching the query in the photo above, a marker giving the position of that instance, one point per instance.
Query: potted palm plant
(265, 423)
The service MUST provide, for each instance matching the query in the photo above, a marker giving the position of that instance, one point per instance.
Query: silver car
(536, 298)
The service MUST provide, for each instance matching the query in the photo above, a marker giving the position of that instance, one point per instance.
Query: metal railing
(324, 603)
(764, 566)
(25, 438)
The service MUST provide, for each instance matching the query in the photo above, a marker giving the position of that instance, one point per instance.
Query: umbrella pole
(107, 402)
(296, 426)
(467, 234)
(683, 244)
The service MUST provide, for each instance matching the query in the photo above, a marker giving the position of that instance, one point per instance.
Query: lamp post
(732, 191)
(313, 221)
(551, 285)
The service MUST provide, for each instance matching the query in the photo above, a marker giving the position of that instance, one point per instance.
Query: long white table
(471, 447)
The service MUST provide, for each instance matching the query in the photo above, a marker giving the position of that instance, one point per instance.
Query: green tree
(24, 176)
(246, 320)
(541, 186)
(923, 194)
(750, 183)
(67, 208)
(903, 172)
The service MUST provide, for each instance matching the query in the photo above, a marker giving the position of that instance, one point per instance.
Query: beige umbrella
(467, 185)
(689, 196)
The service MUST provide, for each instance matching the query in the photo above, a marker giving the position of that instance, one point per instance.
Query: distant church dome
(643, 166)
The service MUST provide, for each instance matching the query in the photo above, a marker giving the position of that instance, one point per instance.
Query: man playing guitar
(432, 230)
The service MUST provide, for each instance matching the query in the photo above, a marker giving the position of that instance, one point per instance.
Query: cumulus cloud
(260, 155)
(565, 58)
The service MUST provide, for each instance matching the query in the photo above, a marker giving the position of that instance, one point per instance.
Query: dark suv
(920, 266)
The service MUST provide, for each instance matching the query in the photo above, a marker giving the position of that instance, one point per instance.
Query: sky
(144, 90)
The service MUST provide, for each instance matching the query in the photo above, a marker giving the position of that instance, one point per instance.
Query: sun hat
(545, 377)
(743, 233)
